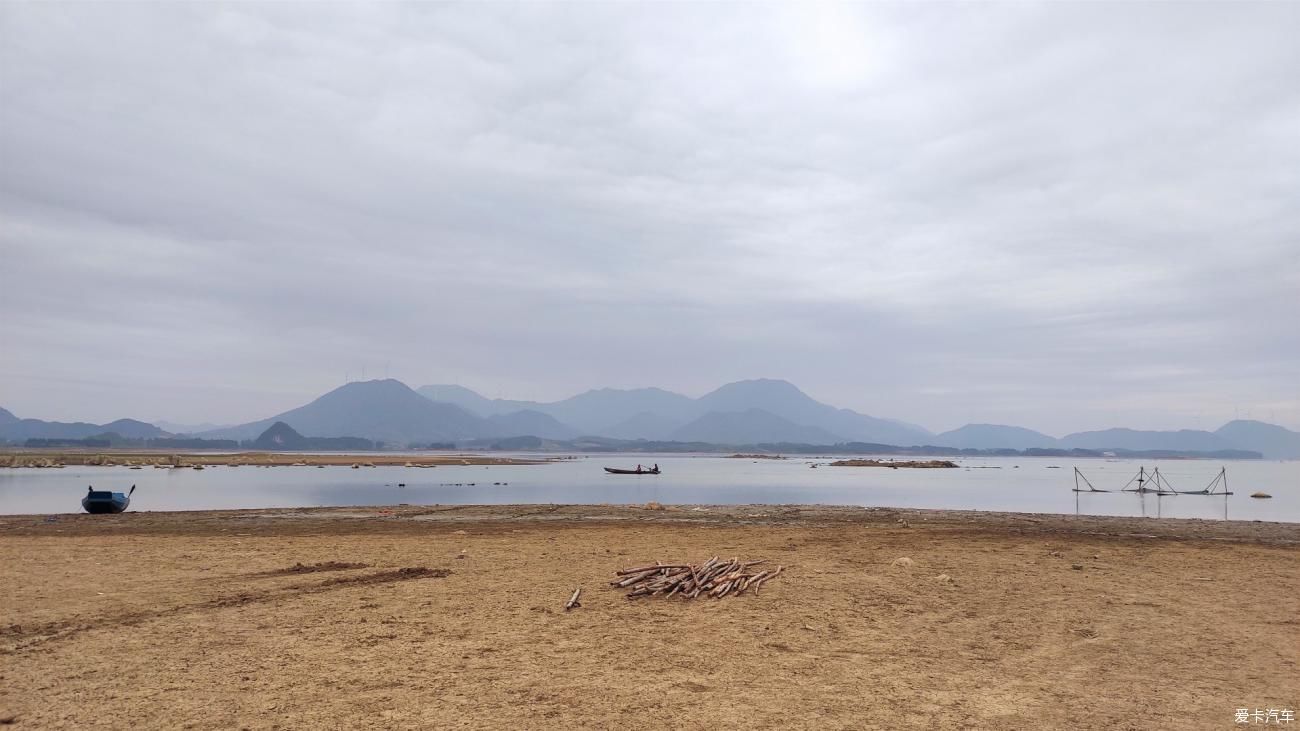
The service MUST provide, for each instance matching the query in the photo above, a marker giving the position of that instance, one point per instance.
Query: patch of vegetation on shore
(896, 464)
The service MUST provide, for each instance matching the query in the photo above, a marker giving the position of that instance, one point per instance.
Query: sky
(1060, 216)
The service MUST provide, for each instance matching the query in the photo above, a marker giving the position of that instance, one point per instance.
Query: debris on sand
(302, 568)
(573, 602)
(923, 464)
(903, 562)
(712, 578)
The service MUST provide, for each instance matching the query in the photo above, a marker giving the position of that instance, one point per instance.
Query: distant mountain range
(13, 429)
(746, 412)
(727, 414)
(387, 411)
(1274, 442)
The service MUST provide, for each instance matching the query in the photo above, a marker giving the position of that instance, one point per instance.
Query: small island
(918, 464)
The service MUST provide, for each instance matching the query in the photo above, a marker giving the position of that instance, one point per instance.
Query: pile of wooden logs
(712, 578)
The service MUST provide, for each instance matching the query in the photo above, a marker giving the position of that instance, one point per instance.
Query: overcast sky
(1062, 216)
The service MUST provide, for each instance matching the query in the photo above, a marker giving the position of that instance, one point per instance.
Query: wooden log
(765, 579)
(634, 579)
(654, 567)
(667, 581)
(726, 578)
(717, 571)
(573, 600)
(755, 581)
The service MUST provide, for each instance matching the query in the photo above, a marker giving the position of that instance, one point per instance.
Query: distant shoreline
(52, 457)
(55, 458)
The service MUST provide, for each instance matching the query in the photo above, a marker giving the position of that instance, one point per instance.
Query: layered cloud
(1062, 216)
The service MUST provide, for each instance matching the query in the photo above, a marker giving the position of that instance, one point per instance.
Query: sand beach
(453, 616)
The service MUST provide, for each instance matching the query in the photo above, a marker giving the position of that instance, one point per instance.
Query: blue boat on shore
(103, 501)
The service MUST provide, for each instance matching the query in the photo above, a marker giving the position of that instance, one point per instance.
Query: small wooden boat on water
(103, 501)
(638, 471)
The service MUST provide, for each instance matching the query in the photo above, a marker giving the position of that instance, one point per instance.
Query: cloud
(1067, 216)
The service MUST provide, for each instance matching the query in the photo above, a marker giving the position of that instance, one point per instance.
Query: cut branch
(573, 600)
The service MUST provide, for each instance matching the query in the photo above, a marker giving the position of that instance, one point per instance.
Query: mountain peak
(993, 436)
(1251, 423)
(278, 436)
(760, 385)
(376, 384)
(1275, 442)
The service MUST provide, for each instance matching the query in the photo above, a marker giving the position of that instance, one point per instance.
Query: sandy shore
(436, 617)
(153, 458)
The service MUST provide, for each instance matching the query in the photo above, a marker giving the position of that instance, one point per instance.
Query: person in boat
(655, 468)
(638, 469)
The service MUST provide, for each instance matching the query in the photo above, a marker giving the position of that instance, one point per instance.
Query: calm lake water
(1031, 485)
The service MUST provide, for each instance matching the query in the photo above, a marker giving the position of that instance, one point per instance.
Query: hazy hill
(20, 430)
(133, 429)
(7, 417)
(594, 411)
(750, 427)
(530, 423)
(645, 425)
(172, 427)
(1273, 441)
(783, 399)
(384, 410)
(590, 412)
(23, 429)
(279, 436)
(282, 437)
(473, 402)
(993, 436)
(1186, 440)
